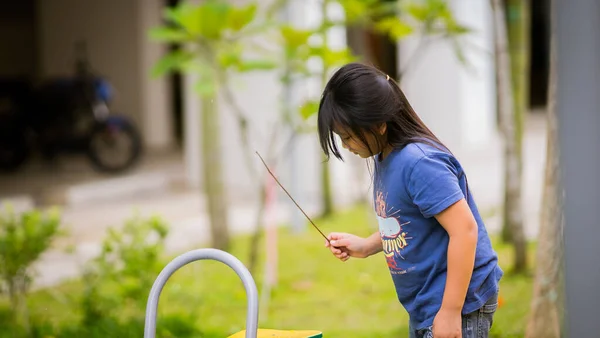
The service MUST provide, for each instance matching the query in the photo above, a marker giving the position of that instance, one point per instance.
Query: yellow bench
(266, 333)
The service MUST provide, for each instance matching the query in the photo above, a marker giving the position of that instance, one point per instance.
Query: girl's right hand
(344, 246)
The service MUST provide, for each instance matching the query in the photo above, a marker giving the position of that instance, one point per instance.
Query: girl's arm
(462, 229)
(344, 245)
(374, 245)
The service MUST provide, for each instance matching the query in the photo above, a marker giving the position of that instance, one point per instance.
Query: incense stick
(290, 196)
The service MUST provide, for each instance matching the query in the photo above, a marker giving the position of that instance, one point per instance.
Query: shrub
(23, 239)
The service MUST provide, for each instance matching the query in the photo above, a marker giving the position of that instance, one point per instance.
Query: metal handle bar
(203, 254)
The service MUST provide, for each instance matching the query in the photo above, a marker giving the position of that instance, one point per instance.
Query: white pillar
(191, 132)
(294, 16)
(157, 118)
(192, 147)
(456, 101)
(477, 83)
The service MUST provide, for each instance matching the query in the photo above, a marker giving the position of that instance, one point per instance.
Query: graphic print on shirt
(393, 236)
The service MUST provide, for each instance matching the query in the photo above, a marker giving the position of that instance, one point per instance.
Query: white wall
(457, 102)
(115, 31)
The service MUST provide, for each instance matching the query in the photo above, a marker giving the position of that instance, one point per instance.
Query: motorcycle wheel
(14, 151)
(105, 145)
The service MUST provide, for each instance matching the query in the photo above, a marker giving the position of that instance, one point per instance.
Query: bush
(121, 278)
(23, 239)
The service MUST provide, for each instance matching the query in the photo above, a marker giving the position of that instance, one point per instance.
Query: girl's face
(353, 143)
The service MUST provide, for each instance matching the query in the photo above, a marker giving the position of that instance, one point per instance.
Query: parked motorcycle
(69, 114)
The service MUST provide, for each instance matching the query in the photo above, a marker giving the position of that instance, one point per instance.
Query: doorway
(540, 53)
(176, 87)
(374, 48)
(18, 40)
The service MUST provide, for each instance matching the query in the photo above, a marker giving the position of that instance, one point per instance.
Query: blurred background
(128, 131)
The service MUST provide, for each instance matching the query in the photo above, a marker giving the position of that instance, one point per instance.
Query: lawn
(315, 291)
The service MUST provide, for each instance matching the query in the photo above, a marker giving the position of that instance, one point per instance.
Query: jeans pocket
(486, 317)
(477, 324)
(491, 305)
(489, 308)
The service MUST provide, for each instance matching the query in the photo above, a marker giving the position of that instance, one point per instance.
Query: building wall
(118, 47)
(457, 101)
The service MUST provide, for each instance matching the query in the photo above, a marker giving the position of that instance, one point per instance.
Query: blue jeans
(476, 324)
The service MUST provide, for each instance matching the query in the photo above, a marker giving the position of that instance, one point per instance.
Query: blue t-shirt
(411, 185)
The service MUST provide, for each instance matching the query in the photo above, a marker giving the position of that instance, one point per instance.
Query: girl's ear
(382, 128)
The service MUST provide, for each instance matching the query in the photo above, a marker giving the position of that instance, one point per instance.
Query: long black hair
(361, 98)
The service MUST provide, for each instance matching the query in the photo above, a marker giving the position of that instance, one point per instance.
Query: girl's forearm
(461, 259)
(374, 244)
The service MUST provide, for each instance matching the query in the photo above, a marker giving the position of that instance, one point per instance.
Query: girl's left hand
(447, 324)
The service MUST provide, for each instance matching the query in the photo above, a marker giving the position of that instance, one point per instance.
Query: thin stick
(290, 196)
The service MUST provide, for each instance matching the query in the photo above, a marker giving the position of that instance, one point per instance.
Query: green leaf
(198, 66)
(332, 58)
(205, 87)
(309, 108)
(186, 16)
(229, 57)
(252, 65)
(417, 11)
(394, 27)
(173, 61)
(208, 19)
(454, 28)
(175, 14)
(318, 51)
(239, 18)
(357, 10)
(295, 38)
(213, 19)
(459, 52)
(168, 34)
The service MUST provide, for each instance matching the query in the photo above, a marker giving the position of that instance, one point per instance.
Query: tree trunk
(518, 22)
(326, 186)
(546, 315)
(257, 233)
(512, 163)
(213, 179)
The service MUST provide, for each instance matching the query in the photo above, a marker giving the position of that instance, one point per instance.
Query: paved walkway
(149, 191)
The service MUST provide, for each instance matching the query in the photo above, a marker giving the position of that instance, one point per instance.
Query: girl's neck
(385, 152)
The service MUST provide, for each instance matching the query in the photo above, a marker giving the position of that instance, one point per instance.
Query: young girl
(441, 261)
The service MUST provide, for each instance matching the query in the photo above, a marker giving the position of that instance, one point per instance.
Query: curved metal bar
(203, 254)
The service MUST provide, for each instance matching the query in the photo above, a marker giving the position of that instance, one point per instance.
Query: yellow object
(265, 333)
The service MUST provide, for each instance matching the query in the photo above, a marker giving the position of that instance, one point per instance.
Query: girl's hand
(344, 246)
(447, 324)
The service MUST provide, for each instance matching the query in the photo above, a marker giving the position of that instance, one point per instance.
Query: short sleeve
(433, 185)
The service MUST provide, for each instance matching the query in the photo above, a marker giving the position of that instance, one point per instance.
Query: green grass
(315, 291)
